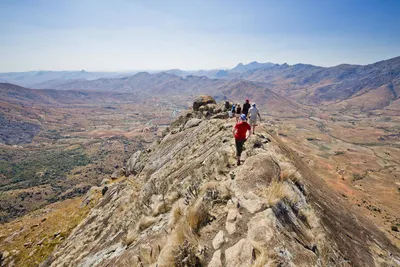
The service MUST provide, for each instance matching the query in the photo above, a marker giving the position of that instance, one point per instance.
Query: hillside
(314, 85)
(14, 94)
(30, 78)
(181, 90)
(302, 83)
(144, 83)
(185, 203)
(55, 145)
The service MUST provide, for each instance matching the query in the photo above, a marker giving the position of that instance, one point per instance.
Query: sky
(128, 35)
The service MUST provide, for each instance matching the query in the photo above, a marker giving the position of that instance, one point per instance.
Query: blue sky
(120, 35)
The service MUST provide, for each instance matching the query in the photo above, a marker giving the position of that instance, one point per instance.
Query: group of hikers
(243, 130)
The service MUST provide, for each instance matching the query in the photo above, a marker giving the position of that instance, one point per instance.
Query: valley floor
(357, 156)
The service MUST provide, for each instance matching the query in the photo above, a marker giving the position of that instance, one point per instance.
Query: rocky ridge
(185, 203)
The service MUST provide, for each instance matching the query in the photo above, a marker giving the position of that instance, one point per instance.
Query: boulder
(261, 227)
(240, 254)
(257, 170)
(222, 115)
(211, 107)
(134, 166)
(231, 220)
(253, 203)
(218, 240)
(192, 123)
(115, 175)
(216, 259)
(202, 101)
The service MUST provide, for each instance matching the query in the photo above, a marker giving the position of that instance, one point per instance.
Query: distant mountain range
(177, 90)
(314, 85)
(31, 78)
(223, 73)
(373, 86)
(50, 79)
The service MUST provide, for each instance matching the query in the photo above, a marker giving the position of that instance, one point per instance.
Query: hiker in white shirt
(253, 112)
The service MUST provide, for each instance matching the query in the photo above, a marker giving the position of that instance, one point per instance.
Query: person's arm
(249, 131)
(234, 131)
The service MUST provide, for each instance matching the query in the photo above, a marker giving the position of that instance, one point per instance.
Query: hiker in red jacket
(240, 131)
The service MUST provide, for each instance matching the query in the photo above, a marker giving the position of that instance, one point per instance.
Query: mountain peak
(251, 66)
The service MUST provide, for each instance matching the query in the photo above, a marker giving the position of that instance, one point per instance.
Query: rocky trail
(185, 203)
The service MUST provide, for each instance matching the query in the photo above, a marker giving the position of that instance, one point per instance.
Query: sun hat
(243, 117)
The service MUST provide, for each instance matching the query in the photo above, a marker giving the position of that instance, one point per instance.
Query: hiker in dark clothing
(238, 112)
(240, 131)
(246, 107)
(227, 105)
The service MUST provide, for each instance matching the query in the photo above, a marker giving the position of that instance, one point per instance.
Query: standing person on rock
(238, 112)
(246, 107)
(253, 111)
(239, 132)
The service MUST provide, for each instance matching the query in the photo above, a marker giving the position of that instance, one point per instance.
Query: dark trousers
(239, 146)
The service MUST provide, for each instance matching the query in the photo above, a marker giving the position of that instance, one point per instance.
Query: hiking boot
(238, 162)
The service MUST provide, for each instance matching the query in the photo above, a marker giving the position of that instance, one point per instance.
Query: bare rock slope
(189, 205)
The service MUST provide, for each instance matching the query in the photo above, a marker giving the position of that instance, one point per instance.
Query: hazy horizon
(188, 70)
(127, 36)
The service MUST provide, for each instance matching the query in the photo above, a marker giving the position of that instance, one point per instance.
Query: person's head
(254, 104)
(247, 100)
(243, 117)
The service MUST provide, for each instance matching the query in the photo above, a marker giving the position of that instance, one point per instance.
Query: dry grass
(311, 217)
(289, 172)
(131, 237)
(213, 185)
(172, 197)
(39, 228)
(145, 222)
(176, 214)
(149, 253)
(160, 208)
(263, 257)
(196, 216)
(224, 192)
(182, 233)
(186, 227)
(275, 192)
